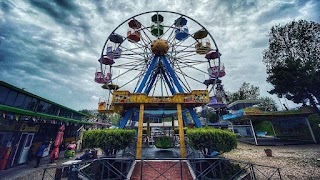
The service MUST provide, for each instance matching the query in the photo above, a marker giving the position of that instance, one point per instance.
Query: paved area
(27, 171)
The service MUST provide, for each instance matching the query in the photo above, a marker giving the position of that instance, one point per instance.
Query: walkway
(162, 169)
(28, 172)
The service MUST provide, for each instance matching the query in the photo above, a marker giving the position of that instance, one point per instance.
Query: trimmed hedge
(109, 140)
(208, 139)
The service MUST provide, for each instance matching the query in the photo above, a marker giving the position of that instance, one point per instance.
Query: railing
(102, 168)
(221, 168)
(201, 168)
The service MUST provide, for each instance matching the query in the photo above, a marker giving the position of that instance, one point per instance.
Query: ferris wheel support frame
(149, 77)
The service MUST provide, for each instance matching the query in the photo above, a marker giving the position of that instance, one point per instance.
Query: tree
(86, 111)
(293, 61)
(268, 104)
(246, 91)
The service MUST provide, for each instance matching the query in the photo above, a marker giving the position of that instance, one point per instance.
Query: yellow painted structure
(140, 130)
(183, 153)
(123, 100)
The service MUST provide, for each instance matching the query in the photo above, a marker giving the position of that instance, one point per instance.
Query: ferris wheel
(160, 53)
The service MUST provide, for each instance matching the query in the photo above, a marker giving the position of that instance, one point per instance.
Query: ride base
(124, 100)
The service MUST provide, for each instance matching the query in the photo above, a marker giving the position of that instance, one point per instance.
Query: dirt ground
(296, 161)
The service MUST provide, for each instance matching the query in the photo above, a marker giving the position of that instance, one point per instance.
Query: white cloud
(39, 47)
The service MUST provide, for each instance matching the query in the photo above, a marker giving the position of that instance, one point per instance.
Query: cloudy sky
(51, 48)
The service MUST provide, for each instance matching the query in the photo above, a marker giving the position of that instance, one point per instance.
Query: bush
(264, 126)
(109, 140)
(208, 139)
(176, 130)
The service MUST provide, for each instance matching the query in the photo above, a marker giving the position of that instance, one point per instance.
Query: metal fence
(201, 168)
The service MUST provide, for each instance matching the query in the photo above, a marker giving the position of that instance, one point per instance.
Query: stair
(161, 170)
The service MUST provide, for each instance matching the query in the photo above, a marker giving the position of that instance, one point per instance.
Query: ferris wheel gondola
(159, 59)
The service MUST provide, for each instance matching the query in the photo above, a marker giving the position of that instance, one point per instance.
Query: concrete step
(162, 169)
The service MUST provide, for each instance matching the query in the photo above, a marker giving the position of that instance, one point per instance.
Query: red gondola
(133, 33)
(212, 55)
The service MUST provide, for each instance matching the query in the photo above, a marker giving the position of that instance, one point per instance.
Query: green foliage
(293, 61)
(86, 111)
(108, 139)
(314, 121)
(163, 142)
(268, 104)
(246, 91)
(264, 126)
(212, 139)
(176, 130)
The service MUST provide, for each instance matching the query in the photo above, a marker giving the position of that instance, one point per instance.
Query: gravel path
(296, 161)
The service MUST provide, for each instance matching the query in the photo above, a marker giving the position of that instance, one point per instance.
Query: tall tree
(268, 104)
(246, 91)
(293, 61)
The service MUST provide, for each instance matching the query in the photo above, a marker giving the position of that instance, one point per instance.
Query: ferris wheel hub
(159, 47)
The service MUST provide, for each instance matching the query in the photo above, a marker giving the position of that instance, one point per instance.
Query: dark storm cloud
(63, 12)
(5, 7)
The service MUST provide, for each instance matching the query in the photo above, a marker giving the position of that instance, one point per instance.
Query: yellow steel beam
(140, 129)
(181, 133)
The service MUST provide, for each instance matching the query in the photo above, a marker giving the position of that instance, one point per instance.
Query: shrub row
(109, 139)
(209, 139)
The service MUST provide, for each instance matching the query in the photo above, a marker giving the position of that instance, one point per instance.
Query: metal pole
(254, 134)
(274, 132)
(311, 132)
(44, 172)
(279, 173)
(252, 171)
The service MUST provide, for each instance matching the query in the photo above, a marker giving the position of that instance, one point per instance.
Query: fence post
(44, 172)
(74, 171)
(279, 173)
(102, 171)
(252, 171)
(58, 174)
(221, 174)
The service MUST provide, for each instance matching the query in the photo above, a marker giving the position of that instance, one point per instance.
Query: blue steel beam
(184, 118)
(172, 74)
(125, 118)
(151, 82)
(170, 85)
(147, 75)
(195, 117)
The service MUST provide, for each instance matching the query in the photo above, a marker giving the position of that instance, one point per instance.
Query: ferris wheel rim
(147, 12)
(145, 27)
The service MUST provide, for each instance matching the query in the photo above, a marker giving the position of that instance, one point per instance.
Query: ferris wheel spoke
(192, 61)
(188, 54)
(187, 86)
(184, 74)
(190, 66)
(125, 72)
(133, 52)
(130, 81)
(126, 65)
